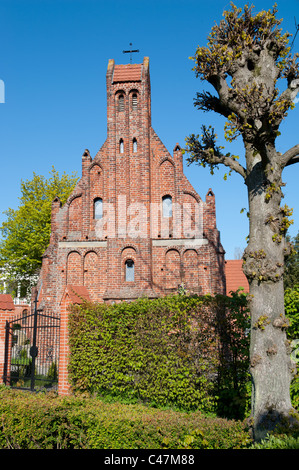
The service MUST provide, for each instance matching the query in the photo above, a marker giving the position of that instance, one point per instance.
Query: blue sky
(53, 62)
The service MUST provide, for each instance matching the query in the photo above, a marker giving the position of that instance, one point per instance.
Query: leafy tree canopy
(26, 232)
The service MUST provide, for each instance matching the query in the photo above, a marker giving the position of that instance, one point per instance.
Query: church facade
(134, 226)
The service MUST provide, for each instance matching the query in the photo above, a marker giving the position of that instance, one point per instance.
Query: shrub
(233, 381)
(188, 352)
(45, 421)
(278, 442)
(291, 302)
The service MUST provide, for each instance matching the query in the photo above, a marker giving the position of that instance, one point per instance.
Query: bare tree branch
(291, 92)
(231, 163)
(227, 102)
(290, 157)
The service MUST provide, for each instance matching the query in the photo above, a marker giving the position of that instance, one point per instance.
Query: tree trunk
(270, 365)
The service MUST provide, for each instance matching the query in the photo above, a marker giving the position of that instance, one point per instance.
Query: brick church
(134, 226)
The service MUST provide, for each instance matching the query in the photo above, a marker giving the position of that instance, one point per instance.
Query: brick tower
(134, 226)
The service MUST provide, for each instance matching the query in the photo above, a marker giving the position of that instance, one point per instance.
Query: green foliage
(234, 383)
(229, 45)
(241, 50)
(237, 32)
(291, 304)
(291, 274)
(53, 372)
(45, 421)
(26, 232)
(278, 442)
(187, 352)
(294, 391)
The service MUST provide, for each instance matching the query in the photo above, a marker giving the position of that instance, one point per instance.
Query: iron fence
(32, 351)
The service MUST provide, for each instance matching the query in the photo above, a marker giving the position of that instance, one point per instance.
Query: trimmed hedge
(45, 421)
(185, 352)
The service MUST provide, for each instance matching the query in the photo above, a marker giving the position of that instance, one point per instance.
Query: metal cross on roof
(131, 51)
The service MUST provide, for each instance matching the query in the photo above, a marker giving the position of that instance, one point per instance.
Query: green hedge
(187, 352)
(45, 421)
(283, 441)
(291, 303)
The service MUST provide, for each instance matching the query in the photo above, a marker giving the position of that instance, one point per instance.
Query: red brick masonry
(129, 177)
(7, 309)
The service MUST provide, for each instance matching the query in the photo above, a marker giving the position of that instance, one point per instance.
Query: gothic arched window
(121, 146)
(167, 206)
(134, 145)
(121, 103)
(134, 101)
(98, 208)
(130, 270)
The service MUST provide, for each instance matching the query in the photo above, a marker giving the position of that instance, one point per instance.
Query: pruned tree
(245, 57)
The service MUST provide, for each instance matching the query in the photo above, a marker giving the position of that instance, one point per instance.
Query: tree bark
(271, 367)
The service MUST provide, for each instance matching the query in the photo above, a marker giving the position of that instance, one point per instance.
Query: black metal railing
(32, 350)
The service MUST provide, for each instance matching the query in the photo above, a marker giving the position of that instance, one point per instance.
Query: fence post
(7, 309)
(34, 349)
(63, 383)
(7, 354)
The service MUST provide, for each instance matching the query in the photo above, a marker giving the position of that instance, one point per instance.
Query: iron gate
(32, 351)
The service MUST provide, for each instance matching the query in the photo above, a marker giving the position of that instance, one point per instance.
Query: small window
(121, 146)
(24, 317)
(98, 208)
(134, 145)
(121, 103)
(167, 206)
(134, 102)
(129, 270)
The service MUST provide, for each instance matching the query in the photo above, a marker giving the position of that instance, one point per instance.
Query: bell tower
(128, 186)
(128, 129)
